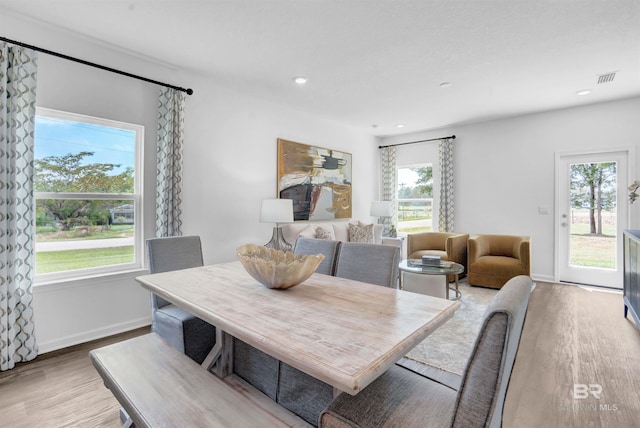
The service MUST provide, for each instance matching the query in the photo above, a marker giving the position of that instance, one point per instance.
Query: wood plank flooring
(60, 389)
(572, 335)
(575, 335)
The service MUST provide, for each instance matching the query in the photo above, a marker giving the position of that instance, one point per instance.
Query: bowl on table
(275, 268)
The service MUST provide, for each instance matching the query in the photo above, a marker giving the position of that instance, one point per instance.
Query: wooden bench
(158, 386)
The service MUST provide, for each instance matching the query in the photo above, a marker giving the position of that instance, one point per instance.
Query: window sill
(88, 280)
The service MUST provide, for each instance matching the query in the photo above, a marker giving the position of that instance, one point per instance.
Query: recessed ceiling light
(584, 92)
(446, 84)
(300, 80)
(400, 125)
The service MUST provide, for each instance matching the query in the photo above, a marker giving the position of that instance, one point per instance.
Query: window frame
(137, 198)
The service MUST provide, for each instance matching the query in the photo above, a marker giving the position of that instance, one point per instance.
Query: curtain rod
(93, 64)
(452, 137)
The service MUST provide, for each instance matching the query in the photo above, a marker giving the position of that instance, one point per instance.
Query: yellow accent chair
(494, 259)
(449, 246)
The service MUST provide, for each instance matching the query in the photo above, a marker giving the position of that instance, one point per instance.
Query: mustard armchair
(448, 245)
(494, 259)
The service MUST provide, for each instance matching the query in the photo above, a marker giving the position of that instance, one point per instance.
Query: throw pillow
(361, 232)
(322, 233)
(308, 232)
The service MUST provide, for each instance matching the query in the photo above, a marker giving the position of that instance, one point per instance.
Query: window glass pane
(73, 156)
(593, 222)
(415, 199)
(79, 234)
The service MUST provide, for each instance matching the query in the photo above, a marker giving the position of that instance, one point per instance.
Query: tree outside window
(87, 194)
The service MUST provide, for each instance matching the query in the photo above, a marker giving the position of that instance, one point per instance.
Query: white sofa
(340, 230)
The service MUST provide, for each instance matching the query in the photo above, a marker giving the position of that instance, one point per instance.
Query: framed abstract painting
(317, 179)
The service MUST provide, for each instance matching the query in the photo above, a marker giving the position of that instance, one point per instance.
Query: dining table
(343, 332)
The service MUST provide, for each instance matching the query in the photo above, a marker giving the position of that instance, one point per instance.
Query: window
(415, 198)
(88, 195)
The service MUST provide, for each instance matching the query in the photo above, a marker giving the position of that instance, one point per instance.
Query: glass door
(592, 213)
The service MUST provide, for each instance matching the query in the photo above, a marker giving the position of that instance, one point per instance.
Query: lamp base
(277, 241)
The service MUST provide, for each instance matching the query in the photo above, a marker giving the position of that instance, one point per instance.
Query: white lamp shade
(380, 209)
(277, 211)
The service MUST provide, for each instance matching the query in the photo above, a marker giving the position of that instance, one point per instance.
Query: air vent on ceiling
(606, 77)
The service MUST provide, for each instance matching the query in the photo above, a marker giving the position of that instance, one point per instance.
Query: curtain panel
(446, 212)
(18, 72)
(389, 185)
(169, 162)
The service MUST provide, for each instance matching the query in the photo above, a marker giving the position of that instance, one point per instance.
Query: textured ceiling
(379, 62)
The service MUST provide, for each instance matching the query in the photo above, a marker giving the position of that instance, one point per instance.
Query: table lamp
(277, 211)
(381, 209)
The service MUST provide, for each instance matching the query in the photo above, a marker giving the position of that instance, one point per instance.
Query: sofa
(337, 230)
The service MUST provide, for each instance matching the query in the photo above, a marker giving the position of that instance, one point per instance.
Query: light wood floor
(59, 389)
(575, 335)
(571, 336)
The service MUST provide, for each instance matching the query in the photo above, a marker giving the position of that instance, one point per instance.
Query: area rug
(449, 347)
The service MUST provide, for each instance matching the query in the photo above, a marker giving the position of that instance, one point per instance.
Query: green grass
(414, 229)
(593, 251)
(56, 261)
(48, 234)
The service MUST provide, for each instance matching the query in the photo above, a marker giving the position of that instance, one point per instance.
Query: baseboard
(543, 278)
(87, 336)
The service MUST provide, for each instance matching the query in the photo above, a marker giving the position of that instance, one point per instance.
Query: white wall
(230, 164)
(229, 161)
(505, 168)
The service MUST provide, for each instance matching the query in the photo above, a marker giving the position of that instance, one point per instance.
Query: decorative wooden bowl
(276, 268)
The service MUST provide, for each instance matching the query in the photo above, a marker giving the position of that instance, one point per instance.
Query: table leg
(219, 361)
(458, 293)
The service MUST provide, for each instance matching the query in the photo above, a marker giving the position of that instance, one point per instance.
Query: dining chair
(328, 248)
(416, 395)
(184, 331)
(372, 263)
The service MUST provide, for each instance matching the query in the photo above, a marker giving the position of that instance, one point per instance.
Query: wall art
(317, 179)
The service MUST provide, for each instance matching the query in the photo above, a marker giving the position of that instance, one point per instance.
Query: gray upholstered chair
(326, 247)
(372, 263)
(408, 396)
(181, 329)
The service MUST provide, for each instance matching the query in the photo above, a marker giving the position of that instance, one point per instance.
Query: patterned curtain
(169, 172)
(446, 212)
(389, 185)
(18, 70)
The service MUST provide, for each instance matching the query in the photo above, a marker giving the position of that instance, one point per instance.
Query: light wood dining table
(343, 332)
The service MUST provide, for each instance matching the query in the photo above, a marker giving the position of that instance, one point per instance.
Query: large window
(88, 194)
(415, 198)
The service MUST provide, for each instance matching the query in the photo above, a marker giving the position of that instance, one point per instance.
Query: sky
(407, 177)
(58, 137)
